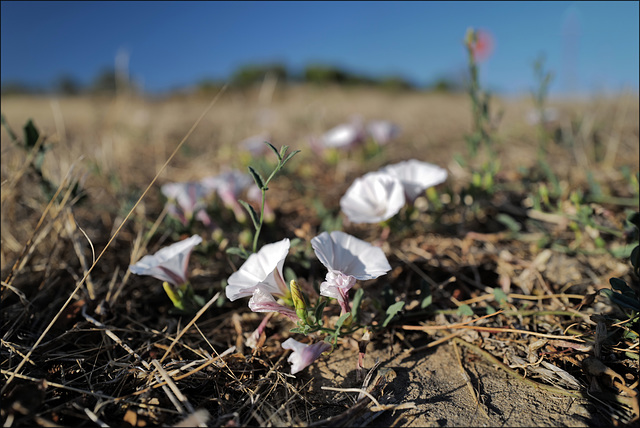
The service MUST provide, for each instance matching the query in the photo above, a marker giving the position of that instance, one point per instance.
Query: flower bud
(175, 297)
(298, 301)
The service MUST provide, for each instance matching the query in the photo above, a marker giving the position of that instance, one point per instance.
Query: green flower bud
(298, 301)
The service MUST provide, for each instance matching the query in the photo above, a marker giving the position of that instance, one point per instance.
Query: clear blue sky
(591, 46)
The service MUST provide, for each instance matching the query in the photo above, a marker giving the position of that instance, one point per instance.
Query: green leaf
(257, 178)
(4, 123)
(292, 154)
(355, 304)
(635, 259)
(238, 252)
(621, 286)
(274, 150)
(426, 302)
(254, 215)
(283, 151)
(508, 221)
(319, 310)
(621, 300)
(500, 296)
(341, 321)
(464, 310)
(289, 274)
(31, 134)
(391, 312)
(634, 219)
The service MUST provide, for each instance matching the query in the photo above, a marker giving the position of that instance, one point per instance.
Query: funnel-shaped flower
(186, 200)
(263, 301)
(344, 136)
(416, 176)
(229, 185)
(372, 198)
(263, 268)
(170, 263)
(347, 259)
(382, 131)
(303, 354)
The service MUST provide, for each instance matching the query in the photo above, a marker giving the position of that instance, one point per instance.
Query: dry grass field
(500, 324)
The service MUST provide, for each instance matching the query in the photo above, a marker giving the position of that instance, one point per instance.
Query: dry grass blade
(82, 281)
(188, 326)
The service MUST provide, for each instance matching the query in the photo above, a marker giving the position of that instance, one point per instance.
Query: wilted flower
(263, 268)
(382, 131)
(186, 200)
(303, 354)
(372, 198)
(347, 259)
(416, 176)
(168, 264)
(263, 301)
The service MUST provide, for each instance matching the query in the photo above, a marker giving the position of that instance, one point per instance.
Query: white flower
(344, 136)
(549, 115)
(255, 144)
(382, 131)
(263, 268)
(303, 354)
(263, 301)
(170, 263)
(187, 199)
(229, 185)
(416, 176)
(372, 198)
(347, 259)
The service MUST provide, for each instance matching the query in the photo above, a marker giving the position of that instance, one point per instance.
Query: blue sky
(590, 46)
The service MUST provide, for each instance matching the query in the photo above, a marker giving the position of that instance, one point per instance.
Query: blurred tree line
(109, 82)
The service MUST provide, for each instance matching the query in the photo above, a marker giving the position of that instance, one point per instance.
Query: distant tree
(446, 85)
(105, 83)
(396, 83)
(18, 88)
(207, 86)
(324, 74)
(67, 85)
(251, 74)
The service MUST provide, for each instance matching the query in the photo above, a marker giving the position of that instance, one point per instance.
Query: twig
(361, 391)
(174, 388)
(487, 356)
(489, 329)
(467, 380)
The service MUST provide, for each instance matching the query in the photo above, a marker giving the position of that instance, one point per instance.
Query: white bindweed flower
(347, 259)
(549, 115)
(303, 354)
(263, 268)
(373, 198)
(255, 144)
(263, 301)
(344, 136)
(186, 200)
(382, 131)
(168, 264)
(416, 176)
(229, 185)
